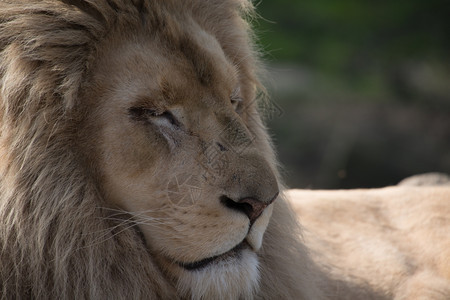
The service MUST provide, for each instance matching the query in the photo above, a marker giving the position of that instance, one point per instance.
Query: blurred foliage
(347, 34)
(364, 87)
(375, 46)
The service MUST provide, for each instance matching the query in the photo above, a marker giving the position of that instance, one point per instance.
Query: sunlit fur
(63, 232)
(388, 243)
(73, 222)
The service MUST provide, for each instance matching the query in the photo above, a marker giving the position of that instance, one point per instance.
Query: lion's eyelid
(236, 95)
(142, 113)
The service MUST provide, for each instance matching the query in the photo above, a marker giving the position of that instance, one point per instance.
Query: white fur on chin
(233, 278)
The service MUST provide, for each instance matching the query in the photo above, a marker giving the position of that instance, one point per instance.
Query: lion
(387, 243)
(135, 165)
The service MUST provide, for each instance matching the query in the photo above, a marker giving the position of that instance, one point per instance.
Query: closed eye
(147, 114)
(236, 102)
(236, 98)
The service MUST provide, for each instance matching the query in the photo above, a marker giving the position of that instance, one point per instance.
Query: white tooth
(254, 239)
(256, 234)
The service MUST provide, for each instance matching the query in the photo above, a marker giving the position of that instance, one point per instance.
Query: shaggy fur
(60, 234)
(57, 239)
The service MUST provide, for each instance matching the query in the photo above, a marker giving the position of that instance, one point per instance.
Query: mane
(55, 238)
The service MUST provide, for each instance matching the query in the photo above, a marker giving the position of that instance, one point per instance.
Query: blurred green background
(361, 89)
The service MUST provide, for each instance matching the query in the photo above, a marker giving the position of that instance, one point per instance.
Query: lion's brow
(201, 60)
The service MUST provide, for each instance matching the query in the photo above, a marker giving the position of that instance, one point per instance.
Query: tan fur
(390, 243)
(87, 204)
(426, 179)
(84, 210)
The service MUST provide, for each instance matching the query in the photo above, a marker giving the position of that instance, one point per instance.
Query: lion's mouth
(233, 253)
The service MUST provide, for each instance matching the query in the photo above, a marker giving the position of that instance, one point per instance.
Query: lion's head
(134, 161)
(178, 145)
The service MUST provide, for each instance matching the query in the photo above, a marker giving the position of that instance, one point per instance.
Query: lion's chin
(230, 255)
(233, 275)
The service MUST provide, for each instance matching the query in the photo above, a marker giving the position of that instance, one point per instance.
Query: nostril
(257, 207)
(251, 207)
(243, 207)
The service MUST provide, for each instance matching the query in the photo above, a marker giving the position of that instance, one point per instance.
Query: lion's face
(177, 137)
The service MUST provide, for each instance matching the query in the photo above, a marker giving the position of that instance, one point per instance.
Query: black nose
(251, 206)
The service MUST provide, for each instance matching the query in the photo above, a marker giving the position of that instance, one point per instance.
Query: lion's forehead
(190, 75)
(189, 51)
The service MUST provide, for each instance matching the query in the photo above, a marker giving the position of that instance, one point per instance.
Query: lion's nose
(251, 206)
